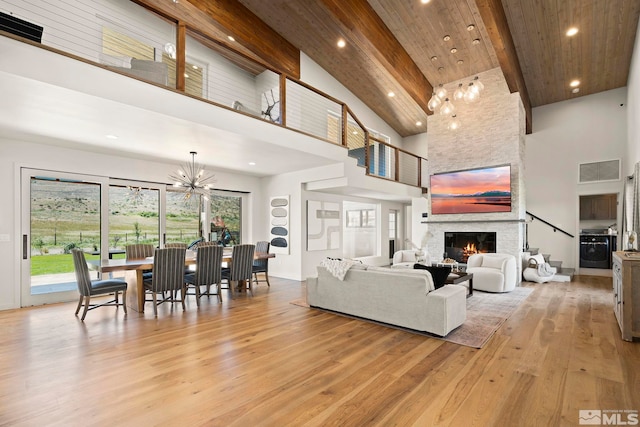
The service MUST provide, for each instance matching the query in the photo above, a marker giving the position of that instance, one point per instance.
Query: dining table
(134, 268)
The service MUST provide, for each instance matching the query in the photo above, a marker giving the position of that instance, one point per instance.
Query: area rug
(486, 312)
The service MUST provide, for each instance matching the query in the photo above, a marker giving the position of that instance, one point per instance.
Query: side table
(463, 277)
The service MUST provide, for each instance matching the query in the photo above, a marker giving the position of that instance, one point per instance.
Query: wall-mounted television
(478, 190)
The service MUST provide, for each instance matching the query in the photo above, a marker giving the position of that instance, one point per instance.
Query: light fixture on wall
(192, 177)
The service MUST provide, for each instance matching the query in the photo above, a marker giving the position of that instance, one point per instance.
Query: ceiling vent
(600, 171)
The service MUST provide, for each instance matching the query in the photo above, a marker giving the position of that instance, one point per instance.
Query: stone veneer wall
(492, 133)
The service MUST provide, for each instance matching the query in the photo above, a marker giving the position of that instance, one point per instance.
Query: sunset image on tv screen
(472, 191)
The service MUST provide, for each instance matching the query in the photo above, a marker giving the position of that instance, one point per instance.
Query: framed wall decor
(279, 224)
(323, 225)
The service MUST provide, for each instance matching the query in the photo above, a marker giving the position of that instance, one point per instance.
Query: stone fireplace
(461, 245)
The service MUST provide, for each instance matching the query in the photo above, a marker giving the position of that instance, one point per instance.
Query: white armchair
(404, 259)
(493, 272)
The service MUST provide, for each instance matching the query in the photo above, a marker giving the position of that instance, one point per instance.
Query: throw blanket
(338, 268)
(544, 270)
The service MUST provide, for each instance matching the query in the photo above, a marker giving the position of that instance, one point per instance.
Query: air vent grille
(600, 171)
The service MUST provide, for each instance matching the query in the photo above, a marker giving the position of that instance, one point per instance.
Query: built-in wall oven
(595, 251)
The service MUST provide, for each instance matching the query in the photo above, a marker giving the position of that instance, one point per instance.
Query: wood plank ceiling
(389, 40)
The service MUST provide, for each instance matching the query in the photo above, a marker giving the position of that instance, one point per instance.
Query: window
(134, 216)
(226, 219)
(182, 218)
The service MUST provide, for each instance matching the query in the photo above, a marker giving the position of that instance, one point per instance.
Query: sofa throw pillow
(492, 262)
(439, 274)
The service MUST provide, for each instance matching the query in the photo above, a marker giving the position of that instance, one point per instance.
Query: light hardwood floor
(263, 361)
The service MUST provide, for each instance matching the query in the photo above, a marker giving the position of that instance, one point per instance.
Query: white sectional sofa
(398, 297)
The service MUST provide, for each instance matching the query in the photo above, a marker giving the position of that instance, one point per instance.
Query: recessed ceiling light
(418, 123)
(391, 94)
(434, 58)
(453, 50)
(252, 163)
(572, 31)
(231, 38)
(425, 1)
(186, 76)
(341, 43)
(475, 41)
(471, 27)
(460, 62)
(575, 90)
(440, 68)
(446, 38)
(575, 83)
(111, 136)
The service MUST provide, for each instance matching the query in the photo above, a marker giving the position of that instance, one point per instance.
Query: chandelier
(440, 101)
(191, 177)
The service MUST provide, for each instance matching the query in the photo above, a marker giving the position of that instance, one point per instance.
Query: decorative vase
(630, 241)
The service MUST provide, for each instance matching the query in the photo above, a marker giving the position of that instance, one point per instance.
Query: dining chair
(176, 245)
(167, 278)
(87, 288)
(240, 268)
(209, 243)
(261, 265)
(208, 272)
(139, 251)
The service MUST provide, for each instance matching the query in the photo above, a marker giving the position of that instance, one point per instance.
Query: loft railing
(127, 38)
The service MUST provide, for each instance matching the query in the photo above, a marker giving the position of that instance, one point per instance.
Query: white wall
(314, 75)
(633, 109)
(585, 129)
(17, 154)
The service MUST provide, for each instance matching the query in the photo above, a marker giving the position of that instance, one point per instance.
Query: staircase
(563, 274)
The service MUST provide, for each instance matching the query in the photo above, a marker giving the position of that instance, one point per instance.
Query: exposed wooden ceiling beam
(218, 19)
(497, 27)
(363, 26)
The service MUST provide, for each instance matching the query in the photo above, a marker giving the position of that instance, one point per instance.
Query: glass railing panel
(312, 113)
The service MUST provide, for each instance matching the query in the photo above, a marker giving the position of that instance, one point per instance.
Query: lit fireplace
(460, 246)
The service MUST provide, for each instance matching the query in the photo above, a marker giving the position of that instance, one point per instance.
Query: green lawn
(54, 264)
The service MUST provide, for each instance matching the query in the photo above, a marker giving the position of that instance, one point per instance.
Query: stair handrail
(555, 228)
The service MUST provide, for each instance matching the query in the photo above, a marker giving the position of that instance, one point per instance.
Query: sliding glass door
(60, 212)
(101, 216)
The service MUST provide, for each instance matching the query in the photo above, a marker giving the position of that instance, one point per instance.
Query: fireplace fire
(460, 246)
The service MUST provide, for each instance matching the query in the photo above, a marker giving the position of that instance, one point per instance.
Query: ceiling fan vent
(600, 171)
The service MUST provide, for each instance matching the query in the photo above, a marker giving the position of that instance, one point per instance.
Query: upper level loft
(189, 58)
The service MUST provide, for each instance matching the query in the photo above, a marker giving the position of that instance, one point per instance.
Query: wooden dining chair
(167, 278)
(240, 268)
(208, 272)
(261, 265)
(87, 288)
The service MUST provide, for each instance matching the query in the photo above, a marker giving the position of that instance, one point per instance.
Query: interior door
(59, 212)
